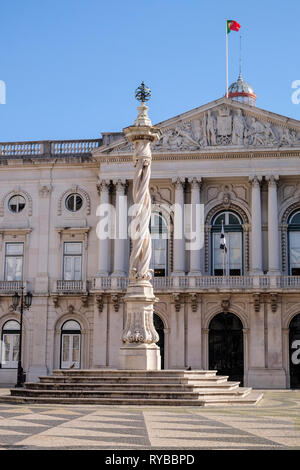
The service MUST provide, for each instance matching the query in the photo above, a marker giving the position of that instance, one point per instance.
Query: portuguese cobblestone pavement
(273, 424)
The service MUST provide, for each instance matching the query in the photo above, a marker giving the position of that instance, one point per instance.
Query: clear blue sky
(71, 66)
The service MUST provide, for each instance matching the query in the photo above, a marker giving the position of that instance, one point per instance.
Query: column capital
(195, 182)
(255, 180)
(120, 185)
(103, 186)
(272, 180)
(178, 182)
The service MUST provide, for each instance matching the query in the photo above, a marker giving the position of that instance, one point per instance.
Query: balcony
(71, 287)
(9, 287)
(204, 283)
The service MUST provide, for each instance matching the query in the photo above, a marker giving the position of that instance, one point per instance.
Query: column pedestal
(140, 357)
(140, 351)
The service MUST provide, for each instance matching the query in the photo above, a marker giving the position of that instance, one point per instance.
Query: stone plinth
(140, 357)
(140, 351)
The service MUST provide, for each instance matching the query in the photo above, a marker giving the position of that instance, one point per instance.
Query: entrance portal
(226, 346)
(295, 352)
(159, 326)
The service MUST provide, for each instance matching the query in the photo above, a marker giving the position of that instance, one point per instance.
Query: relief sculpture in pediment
(223, 127)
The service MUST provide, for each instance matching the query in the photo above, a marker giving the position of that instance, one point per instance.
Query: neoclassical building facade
(241, 163)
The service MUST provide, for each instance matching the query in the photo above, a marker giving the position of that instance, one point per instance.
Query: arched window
(294, 244)
(10, 344)
(230, 261)
(159, 235)
(70, 345)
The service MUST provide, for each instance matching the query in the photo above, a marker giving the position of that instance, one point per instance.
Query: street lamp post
(25, 303)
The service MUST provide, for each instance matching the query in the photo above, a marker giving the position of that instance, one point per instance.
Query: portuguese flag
(232, 26)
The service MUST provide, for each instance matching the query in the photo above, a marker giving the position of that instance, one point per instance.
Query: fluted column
(120, 229)
(273, 235)
(194, 254)
(179, 241)
(103, 238)
(256, 232)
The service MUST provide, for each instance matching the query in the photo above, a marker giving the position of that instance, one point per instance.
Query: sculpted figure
(256, 133)
(286, 138)
(269, 133)
(211, 129)
(238, 128)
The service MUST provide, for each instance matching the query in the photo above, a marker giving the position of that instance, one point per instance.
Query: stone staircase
(130, 387)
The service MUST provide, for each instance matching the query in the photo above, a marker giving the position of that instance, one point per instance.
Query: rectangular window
(72, 263)
(10, 350)
(14, 253)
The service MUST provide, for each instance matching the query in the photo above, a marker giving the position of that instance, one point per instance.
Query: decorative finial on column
(142, 94)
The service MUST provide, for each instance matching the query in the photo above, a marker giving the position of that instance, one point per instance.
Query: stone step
(121, 379)
(131, 386)
(209, 393)
(134, 373)
(119, 387)
(252, 399)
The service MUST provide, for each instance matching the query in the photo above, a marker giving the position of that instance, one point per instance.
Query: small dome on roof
(241, 91)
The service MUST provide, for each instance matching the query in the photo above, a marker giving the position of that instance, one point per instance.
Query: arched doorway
(294, 344)
(159, 326)
(70, 351)
(226, 346)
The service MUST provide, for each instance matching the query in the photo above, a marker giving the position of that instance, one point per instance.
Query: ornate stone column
(273, 234)
(120, 229)
(256, 230)
(139, 335)
(103, 243)
(195, 259)
(179, 241)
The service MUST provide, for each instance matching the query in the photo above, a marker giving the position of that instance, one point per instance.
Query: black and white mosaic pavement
(273, 424)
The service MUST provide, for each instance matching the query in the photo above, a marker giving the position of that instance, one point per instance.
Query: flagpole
(226, 58)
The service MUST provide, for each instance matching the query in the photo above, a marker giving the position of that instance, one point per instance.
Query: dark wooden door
(295, 352)
(159, 326)
(226, 348)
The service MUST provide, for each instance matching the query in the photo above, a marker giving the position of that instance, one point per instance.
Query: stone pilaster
(273, 234)
(195, 255)
(256, 231)
(103, 243)
(179, 241)
(120, 229)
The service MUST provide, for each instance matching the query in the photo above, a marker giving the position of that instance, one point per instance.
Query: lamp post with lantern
(21, 302)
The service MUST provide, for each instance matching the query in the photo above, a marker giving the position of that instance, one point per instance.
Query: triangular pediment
(221, 124)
